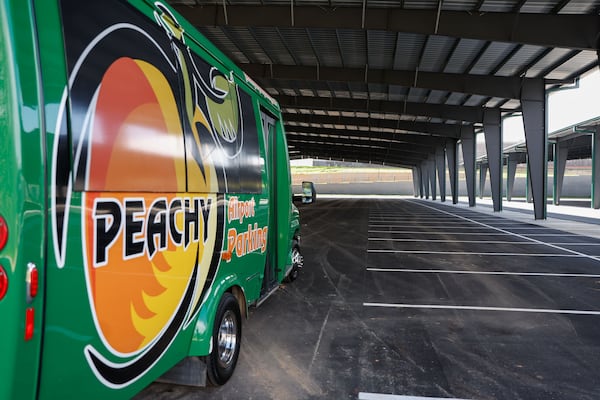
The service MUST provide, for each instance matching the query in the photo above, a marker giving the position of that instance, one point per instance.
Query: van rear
(22, 203)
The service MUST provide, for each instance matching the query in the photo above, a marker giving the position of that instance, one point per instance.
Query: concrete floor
(415, 298)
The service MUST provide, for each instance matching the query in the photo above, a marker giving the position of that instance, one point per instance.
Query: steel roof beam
(577, 31)
(316, 150)
(413, 139)
(446, 130)
(485, 85)
(351, 144)
(442, 111)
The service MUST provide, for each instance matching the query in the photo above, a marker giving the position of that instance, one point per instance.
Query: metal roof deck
(346, 71)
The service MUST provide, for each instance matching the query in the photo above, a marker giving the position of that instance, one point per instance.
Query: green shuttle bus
(145, 200)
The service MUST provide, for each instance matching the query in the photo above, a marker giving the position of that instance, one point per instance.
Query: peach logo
(143, 254)
(148, 254)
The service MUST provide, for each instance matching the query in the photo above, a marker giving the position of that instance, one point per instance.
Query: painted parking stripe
(477, 308)
(381, 396)
(442, 220)
(378, 239)
(442, 233)
(473, 233)
(446, 233)
(474, 253)
(595, 258)
(463, 226)
(443, 271)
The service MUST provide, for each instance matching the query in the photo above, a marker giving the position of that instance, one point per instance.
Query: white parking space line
(474, 233)
(381, 396)
(442, 271)
(575, 244)
(449, 233)
(439, 221)
(475, 253)
(477, 308)
(438, 226)
(459, 227)
(595, 258)
(377, 239)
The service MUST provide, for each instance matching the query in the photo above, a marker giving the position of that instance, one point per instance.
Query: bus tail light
(29, 322)
(32, 281)
(3, 282)
(3, 232)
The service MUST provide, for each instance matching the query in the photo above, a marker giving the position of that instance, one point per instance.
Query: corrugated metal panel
(475, 100)
(523, 57)
(547, 61)
(417, 95)
(220, 39)
(353, 45)
(422, 4)
(248, 45)
(289, 92)
(298, 43)
(498, 6)
(456, 99)
(359, 89)
(378, 91)
(580, 7)
(459, 5)
(512, 104)
(408, 50)
(306, 92)
(437, 96)
(496, 102)
(325, 43)
(381, 48)
(397, 93)
(322, 3)
(579, 62)
(537, 6)
(491, 57)
(464, 54)
(436, 53)
(271, 42)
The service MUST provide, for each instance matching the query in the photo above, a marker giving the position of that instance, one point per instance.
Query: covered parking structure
(579, 141)
(407, 83)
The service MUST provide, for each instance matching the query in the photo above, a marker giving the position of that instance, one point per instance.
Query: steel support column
(528, 197)
(511, 173)
(533, 103)
(561, 151)
(492, 129)
(432, 176)
(425, 177)
(482, 175)
(467, 141)
(416, 176)
(440, 160)
(452, 168)
(596, 168)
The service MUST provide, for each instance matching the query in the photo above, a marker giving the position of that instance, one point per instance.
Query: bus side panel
(21, 200)
(155, 208)
(284, 201)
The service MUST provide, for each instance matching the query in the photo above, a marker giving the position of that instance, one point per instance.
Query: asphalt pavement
(403, 298)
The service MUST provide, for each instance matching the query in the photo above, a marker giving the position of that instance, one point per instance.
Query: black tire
(297, 262)
(226, 340)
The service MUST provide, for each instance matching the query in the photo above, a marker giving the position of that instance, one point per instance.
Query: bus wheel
(226, 340)
(297, 262)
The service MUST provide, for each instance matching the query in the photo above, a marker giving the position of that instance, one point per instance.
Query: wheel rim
(227, 339)
(297, 258)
